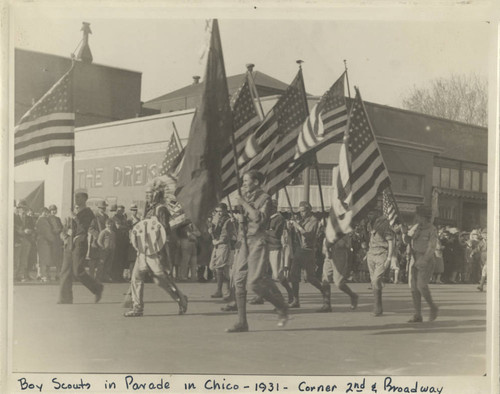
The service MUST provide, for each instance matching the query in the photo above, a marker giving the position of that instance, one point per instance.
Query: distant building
(101, 93)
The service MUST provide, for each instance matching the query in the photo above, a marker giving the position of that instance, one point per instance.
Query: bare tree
(459, 97)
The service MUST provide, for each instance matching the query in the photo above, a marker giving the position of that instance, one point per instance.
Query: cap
(424, 211)
(113, 208)
(52, 207)
(121, 207)
(133, 207)
(22, 204)
(102, 204)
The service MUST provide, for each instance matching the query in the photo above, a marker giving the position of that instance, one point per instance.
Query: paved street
(87, 337)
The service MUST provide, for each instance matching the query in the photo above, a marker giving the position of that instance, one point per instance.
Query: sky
(385, 57)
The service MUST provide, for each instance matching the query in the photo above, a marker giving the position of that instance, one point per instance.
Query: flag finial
(250, 67)
(85, 55)
(299, 62)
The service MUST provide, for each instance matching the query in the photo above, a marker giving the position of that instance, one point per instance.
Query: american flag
(173, 157)
(48, 128)
(275, 139)
(361, 172)
(326, 123)
(246, 120)
(389, 207)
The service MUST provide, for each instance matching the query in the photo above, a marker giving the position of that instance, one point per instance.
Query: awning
(31, 192)
(462, 194)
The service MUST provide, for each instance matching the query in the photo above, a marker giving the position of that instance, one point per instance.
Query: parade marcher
(96, 269)
(24, 230)
(484, 257)
(120, 260)
(379, 254)
(223, 233)
(335, 267)
(252, 262)
(44, 240)
(56, 247)
(75, 235)
(423, 246)
(304, 253)
(107, 244)
(150, 238)
(132, 253)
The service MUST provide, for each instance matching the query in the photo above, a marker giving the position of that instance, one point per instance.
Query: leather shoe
(238, 327)
(256, 301)
(294, 304)
(183, 304)
(434, 313)
(354, 301)
(98, 295)
(416, 319)
(324, 309)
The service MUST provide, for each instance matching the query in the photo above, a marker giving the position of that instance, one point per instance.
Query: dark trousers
(73, 268)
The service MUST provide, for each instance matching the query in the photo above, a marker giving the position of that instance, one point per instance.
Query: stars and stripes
(276, 137)
(389, 207)
(246, 120)
(362, 172)
(173, 157)
(47, 129)
(326, 123)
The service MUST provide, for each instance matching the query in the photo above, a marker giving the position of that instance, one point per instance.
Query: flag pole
(177, 135)
(253, 89)
(72, 199)
(288, 199)
(347, 78)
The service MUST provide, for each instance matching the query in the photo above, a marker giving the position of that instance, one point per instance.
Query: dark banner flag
(199, 185)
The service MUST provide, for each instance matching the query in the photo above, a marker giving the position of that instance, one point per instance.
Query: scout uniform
(335, 268)
(378, 258)
(423, 245)
(252, 262)
(75, 250)
(223, 233)
(56, 247)
(44, 239)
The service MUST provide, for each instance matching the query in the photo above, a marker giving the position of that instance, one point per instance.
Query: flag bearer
(336, 268)
(252, 262)
(379, 254)
(423, 246)
(75, 249)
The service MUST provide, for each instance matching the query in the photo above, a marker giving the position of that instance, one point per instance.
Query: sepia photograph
(232, 196)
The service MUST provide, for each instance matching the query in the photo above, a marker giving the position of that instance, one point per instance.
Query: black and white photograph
(214, 201)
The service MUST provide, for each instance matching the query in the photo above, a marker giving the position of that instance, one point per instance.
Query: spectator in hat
(44, 240)
(97, 270)
(483, 253)
(107, 244)
(56, 247)
(75, 249)
(120, 260)
(423, 246)
(132, 253)
(23, 232)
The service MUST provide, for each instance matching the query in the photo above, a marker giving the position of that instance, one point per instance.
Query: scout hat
(102, 204)
(113, 208)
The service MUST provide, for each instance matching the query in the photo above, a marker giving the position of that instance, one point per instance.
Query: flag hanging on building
(48, 128)
(246, 120)
(173, 157)
(199, 185)
(362, 172)
(268, 149)
(326, 123)
(390, 208)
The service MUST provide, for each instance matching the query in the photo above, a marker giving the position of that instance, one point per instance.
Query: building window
(475, 180)
(445, 177)
(406, 183)
(485, 182)
(467, 180)
(453, 178)
(436, 176)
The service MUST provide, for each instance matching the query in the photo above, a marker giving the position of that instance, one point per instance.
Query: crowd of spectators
(460, 256)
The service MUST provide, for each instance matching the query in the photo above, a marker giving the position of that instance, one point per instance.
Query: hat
(121, 207)
(52, 207)
(424, 211)
(102, 204)
(453, 230)
(22, 204)
(81, 191)
(133, 207)
(113, 208)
